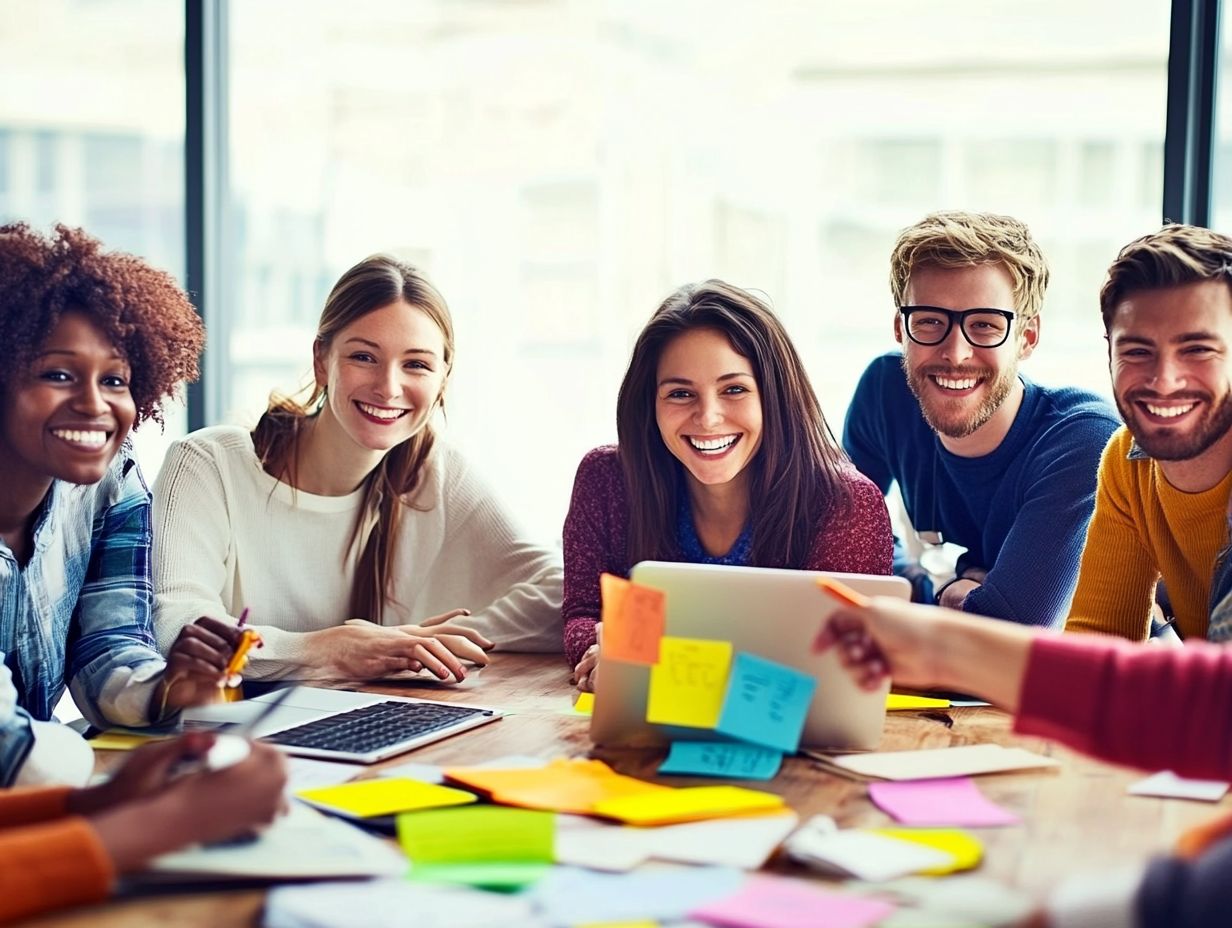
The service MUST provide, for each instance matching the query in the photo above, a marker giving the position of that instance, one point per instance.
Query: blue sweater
(1021, 512)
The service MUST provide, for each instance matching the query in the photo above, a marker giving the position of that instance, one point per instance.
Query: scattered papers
(1169, 786)
(743, 842)
(688, 684)
(567, 896)
(303, 844)
(385, 904)
(722, 759)
(370, 798)
(634, 619)
(774, 902)
(865, 855)
(766, 703)
(561, 786)
(480, 845)
(938, 762)
(954, 801)
(961, 901)
(584, 704)
(688, 805)
(898, 701)
(964, 847)
(305, 773)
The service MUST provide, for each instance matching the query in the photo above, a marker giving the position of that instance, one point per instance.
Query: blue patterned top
(691, 546)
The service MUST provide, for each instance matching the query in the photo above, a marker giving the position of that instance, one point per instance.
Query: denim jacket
(78, 613)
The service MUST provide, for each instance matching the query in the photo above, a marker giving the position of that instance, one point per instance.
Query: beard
(951, 417)
(1164, 444)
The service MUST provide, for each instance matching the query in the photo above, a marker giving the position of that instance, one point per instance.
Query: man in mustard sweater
(1161, 506)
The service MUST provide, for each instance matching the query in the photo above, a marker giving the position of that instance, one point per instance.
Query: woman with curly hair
(96, 342)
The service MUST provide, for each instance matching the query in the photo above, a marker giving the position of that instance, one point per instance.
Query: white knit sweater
(228, 535)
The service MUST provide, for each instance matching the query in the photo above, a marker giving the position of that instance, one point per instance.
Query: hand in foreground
(586, 672)
(462, 642)
(198, 808)
(886, 638)
(195, 666)
(362, 650)
(144, 772)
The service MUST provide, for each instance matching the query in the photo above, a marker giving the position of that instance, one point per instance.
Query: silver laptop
(774, 614)
(342, 725)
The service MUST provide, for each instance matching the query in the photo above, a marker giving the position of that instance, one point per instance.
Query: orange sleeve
(52, 865)
(26, 805)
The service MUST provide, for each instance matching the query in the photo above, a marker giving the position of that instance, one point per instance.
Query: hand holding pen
(199, 663)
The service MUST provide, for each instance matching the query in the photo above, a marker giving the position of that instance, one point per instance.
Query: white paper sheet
(966, 760)
(1169, 786)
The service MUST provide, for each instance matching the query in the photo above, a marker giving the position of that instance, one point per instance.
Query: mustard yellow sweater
(1144, 528)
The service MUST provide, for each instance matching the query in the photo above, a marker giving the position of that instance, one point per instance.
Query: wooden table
(1076, 817)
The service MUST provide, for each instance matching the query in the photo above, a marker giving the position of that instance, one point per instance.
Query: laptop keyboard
(362, 731)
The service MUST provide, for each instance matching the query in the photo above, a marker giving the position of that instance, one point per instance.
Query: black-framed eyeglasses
(982, 328)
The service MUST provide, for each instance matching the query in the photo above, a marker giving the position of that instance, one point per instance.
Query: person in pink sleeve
(724, 457)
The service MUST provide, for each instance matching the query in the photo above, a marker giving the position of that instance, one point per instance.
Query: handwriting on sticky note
(722, 759)
(634, 619)
(766, 703)
(368, 798)
(774, 902)
(477, 834)
(688, 684)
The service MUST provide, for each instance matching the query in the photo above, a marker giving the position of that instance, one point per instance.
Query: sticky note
(584, 704)
(368, 798)
(899, 701)
(964, 847)
(954, 801)
(865, 854)
(766, 703)
(122, 740)
(722, 759)
(477, 834)
(774, 902)
(504, 877)
(688, 684)
(564, 785)
(688, 805)
(634, 619)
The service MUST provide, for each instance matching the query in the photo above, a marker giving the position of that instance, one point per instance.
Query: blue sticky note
(722, 759)
(766, 703)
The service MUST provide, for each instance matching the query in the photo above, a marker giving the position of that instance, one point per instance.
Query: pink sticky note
(955, 801)
(771, 902)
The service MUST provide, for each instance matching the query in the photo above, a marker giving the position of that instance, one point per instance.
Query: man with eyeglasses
(1162, 507)
(983, 457)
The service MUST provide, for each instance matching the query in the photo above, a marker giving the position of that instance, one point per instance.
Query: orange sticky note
(689, 805)
(634, 619)
(562, 786)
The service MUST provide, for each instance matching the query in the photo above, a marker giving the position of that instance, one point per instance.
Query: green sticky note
(477, 834)
(688, 684)
(502, 877)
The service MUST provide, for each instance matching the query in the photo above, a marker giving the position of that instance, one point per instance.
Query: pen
(248, 638)
(842, 592)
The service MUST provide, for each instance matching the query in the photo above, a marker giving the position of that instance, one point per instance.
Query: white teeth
(949, 384)
(712, 444)
(378, 413)
(92, 439)
(1169, 412)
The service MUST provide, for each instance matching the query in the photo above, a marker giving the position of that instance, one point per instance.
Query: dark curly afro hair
(142, 310)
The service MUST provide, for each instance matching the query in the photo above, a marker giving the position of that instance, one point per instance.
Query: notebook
(343, 725)
(771, 613)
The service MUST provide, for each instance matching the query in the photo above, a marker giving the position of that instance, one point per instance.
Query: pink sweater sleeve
(1154, 707)
(857, 540)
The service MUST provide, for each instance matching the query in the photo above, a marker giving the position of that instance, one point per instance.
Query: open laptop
(774, 614)
(343, 725)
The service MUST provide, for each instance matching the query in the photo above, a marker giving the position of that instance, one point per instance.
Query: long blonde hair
(371, 284)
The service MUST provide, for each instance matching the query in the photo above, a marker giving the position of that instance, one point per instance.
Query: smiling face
(67, 416)
(961, 387)
(1172, 370)
(708, 407)
(384, 373)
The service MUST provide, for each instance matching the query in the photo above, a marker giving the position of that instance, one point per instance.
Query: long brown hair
(796, 477)
(371, 284)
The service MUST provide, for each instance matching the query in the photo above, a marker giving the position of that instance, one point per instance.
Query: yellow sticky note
(122, 740)
(367, 798)
(688, 805)
(689, 683)
(634, 619)
(963, 846)
(585, 704)
(896, 701)
(479, 834)
(564, 785)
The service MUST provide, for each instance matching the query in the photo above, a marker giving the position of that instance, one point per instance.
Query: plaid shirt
(79, 612)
